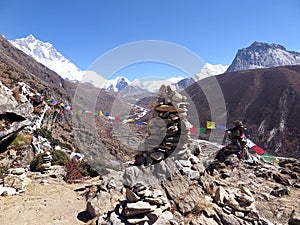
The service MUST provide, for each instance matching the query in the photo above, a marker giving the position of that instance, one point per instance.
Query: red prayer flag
(258, 150)
(193, 130)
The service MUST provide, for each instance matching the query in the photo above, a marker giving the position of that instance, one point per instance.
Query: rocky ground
(228, 192)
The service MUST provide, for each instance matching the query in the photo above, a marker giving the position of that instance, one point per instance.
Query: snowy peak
(116, 84)
(46, 54)
(210, 70)
(263, 55)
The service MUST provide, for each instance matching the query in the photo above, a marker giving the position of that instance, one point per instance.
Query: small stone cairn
(13, 182)
(169, 128)
(47, 161)
(145, 206)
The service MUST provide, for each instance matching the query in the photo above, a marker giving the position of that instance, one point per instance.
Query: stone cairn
(168, 130)
(145, 206)
(47, 161)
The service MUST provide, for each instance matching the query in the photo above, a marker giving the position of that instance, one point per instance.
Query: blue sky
(213, 29)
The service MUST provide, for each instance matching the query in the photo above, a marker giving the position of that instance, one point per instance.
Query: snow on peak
(116, 84)
(46, 54)
(210, 70)
(263, 55)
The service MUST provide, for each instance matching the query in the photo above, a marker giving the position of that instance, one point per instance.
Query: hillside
(267, 100)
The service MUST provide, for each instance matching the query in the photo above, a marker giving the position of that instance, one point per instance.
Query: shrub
(3, 170)
(58, 158)
(87, 170)
(36, 163)
(74, 171)
(22, 139)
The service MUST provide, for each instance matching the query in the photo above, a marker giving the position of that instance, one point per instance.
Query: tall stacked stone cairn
(168, 130)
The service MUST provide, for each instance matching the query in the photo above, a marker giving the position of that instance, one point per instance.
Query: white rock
(16, 171)
(8, 190)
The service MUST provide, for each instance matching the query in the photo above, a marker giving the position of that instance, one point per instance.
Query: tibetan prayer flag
(111, 117)
(268, 157)
(117, 118)
(193, 130)
(101, 113)
(250, 144)
(106, 114)
(125, 117)
(140, 122)
(210, 125)
(62, 104)
(96, 114)
(218, 127)
(202, 130)
(258, 150)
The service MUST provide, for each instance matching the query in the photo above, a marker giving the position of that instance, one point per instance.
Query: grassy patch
(22, 139)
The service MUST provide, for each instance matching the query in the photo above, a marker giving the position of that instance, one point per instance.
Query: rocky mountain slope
(267, 100)
(16, 66)
(263, 55)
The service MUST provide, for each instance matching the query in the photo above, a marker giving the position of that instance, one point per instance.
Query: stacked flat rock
(47, 161)
(14, 181)
(145, 206)
(169, 128)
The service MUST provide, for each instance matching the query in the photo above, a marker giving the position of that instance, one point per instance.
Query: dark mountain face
(263, 55)
(267, 100)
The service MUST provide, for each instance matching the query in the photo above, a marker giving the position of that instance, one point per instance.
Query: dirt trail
(55, 203)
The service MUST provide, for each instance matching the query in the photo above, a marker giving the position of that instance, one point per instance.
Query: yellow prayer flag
(101, 113)
(210, 125)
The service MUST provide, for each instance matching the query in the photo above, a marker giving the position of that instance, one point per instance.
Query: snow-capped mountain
(210, 70)
(46, 54)
(263, 55)
(116, 84)
(153, 85)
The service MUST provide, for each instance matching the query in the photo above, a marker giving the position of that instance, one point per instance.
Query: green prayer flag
(268, 157)
(202, 130)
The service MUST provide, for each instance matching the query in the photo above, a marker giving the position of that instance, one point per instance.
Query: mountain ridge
(45, 53)
(263, 55)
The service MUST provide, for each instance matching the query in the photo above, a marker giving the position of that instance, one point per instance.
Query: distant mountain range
(257, 55)
(263, 55)
(45, 53)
